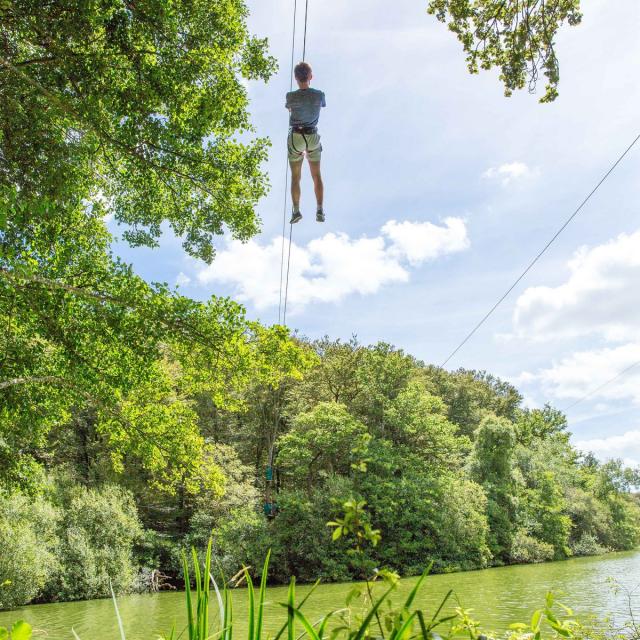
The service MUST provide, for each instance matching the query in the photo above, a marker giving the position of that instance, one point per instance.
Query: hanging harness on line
(270, 505)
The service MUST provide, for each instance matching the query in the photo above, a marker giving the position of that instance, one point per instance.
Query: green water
(497, 596)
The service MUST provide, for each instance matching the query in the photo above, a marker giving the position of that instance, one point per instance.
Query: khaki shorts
(300, 143)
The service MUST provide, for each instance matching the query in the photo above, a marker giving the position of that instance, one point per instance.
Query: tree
(84, 332)
(424, 511)
(417, 420)
(325, 441)
(136, 105)
(383, 373)
(540, 424)
(491, 466)
(333, 376)
(517, 37)
(472, 395)
(543, 514)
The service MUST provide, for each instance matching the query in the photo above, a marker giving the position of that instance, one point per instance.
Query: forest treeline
(453, 470)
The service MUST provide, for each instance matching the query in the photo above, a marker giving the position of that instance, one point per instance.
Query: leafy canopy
(136, 105)
(516, 36)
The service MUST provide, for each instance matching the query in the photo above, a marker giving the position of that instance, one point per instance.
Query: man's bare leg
(318, 185)
(296, 173)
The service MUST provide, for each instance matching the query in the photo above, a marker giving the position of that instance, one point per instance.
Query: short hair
(302, 72)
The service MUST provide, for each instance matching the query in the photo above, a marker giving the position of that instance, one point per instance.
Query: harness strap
(304, 137)
(292, 143)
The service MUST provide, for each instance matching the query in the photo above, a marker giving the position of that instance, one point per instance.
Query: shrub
(97, 535)
(587, 545)
(27, 540)
(301, 541)
(526, 549)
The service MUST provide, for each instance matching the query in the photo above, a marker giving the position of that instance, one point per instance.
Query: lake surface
(497, 596)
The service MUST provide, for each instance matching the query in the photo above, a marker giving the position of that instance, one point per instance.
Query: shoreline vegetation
(452, 469)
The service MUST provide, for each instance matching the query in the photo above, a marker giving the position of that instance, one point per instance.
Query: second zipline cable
(283, 317)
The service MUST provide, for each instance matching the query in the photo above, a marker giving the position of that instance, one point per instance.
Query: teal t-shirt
(304, 106)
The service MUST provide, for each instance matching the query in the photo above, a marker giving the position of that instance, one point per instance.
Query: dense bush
(587, 545)
(27, 548)
(98, 531)
(525, 549)
(301, 541)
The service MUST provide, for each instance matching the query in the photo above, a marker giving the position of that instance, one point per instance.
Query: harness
(304, 132)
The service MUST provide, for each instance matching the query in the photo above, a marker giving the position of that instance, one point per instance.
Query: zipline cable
(304, 40)
(543, 251)
(286, 290)
(602, 386)
(286, 171)
(283, 318)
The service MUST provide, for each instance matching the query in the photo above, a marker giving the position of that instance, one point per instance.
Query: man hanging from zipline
(304, 112)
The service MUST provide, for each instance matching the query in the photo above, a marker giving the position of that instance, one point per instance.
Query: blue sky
(439, 191)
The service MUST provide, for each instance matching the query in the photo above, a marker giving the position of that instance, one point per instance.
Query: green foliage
(512, 490)
(471, 395)
(536, 425)
(587, 545)
(114, 110)
(352, 524)
(424, 515)
(234, 519)
(527, 549)
(491, 466)
(28, 541)
(300, 541)
(98, 531)
(19, 631)
(324, 441)
(137, 106)
(83, 332)
(417, 420)
(516, 37)
(544, 512)
(155, 414)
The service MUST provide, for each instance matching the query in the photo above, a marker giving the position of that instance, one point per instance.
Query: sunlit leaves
(81, 330)
(139, 105)
(517, 37)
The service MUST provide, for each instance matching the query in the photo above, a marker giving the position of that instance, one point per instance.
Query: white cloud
(600, 297)
(425, 241)
(334, 266)
(508, 172)
(584, 371)
(625, 446)
(182, 279)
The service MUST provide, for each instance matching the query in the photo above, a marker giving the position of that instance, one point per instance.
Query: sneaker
(296, 216)
(320, 215)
